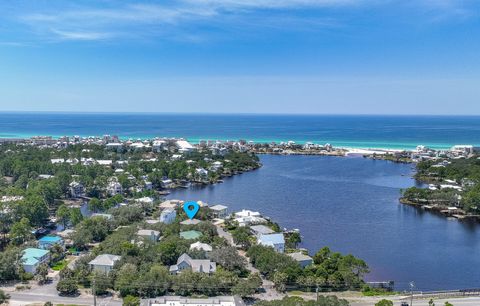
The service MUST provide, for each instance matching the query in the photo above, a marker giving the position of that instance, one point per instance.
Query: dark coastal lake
(351, 205)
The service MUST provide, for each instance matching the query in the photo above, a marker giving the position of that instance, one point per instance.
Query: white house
(219, 211)
(114, 188)
(184, 146)
(168, 215)
(151, 235)
(104, 263)
(185, 262)
(276, 241)
(184, 301)
(203, 173)
(259, 230)
(76, 189)
(201, 247)
(32, 258)
(302, 259)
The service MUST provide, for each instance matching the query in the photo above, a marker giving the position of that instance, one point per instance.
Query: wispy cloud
(85, 21)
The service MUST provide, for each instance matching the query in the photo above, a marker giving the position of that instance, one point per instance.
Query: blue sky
(248, 56)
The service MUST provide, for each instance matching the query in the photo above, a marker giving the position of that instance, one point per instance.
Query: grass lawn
(59, 265)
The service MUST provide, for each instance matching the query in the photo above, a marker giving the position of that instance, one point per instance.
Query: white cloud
(154, 18)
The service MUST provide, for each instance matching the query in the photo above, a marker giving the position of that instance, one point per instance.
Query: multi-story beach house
(76, 189)
(168, 215)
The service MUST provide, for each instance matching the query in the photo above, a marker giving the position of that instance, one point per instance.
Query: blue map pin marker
(191, 208)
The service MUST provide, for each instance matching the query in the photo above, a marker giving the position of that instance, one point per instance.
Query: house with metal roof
(276, 241)
(189, 235)
(259, 230)
(219, 211)
(302, 259)
(47, 242)
(104, 263)
(33, 257)
(185, 262)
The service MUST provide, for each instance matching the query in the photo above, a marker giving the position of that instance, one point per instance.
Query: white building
(114, 188)
(302, 259)
(201, 247)
(168, 215)
(151, 235)
(276, 241)
(77, 189)
(104, 263)
(185, 262)
(184, 146)
(184, 301)
(219, 211)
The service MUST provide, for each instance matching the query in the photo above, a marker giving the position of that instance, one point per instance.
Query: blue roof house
(48, 241)
(276, 241)
(32, 258)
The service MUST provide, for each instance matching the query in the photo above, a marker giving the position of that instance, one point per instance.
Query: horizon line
(232, 113)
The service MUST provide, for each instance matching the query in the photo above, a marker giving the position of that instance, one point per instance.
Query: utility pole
(412, 285)
(94, 292)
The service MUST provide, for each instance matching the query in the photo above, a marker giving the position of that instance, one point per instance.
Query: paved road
(27, 297)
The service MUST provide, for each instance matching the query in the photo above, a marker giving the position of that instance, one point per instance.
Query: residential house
(151, 235)
(201, 247)
(114, 188)
(302, 259)
(190, 222)
(276, 241)
(104, 263)
(184, 146)
(202, 173)
(32, 258)
(184, 301)
(77, 189)
(190, 235)
(47, 242)
(258, 230)
(185, 262)
(219, 211)
(168, 215)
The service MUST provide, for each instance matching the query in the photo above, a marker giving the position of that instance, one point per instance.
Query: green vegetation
(59, 265)
(463, 173)
(3, 297)
(297, 301)
(384, 303)
(330, 271)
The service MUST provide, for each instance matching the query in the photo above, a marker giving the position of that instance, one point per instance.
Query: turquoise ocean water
(396, 132)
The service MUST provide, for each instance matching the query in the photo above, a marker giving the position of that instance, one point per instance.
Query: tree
(100, 283)
(63, 215)
(9, 264)
(448, 304)
(241, 236)
(130, 300)
(431, 303)
(229, 258)
(294, 239)
(94, 204)
(247, 287)
(42, 274)
(21, 231)
(280, 281)
(125, 279)
(48, 304)
(67, 286)
(384, 302)
(75, 215)
(3, 297)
